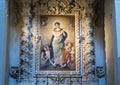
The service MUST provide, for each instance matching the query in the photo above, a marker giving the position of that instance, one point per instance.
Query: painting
(57, 43)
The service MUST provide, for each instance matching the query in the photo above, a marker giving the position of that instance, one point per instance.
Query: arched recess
(15, 44)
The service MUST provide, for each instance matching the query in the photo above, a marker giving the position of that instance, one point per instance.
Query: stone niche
(26, 19)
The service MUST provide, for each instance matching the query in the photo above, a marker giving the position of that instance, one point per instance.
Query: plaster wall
(3, 41)
(99, 40)
(117, 11)
(110, 43)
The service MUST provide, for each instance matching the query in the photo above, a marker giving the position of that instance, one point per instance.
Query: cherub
(45, 54)
(68, 49)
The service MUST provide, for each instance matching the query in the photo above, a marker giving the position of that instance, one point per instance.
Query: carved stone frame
(77, 50)
(30, 51)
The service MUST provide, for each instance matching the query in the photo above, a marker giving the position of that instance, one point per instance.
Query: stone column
(87, 12)
(26, 55)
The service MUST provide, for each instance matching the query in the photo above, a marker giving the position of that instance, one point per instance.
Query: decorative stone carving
(83, 9)
(100, 71)
(56, 6)
(26, 54)
(14, 70)
(87, 13)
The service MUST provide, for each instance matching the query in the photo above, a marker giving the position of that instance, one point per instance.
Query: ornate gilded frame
(77, 51)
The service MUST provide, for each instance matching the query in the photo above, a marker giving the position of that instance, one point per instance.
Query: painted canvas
(57, 43)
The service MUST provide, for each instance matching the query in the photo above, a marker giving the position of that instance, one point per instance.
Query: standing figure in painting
(57, 41)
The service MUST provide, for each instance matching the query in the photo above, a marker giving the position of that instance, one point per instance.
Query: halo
(55, 22)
